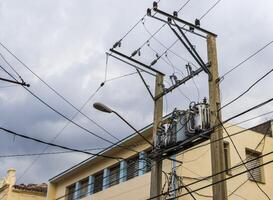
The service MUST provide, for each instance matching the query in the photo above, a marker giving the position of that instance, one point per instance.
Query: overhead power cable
(134, 26)
(70, 120)
(207, 12)
(55, 145)
(239, 155)
(230, 177)
(255, 83)
(245, 60)
(229, 119)
(152, 35)
(263, 139)
(54, 90)
(46, 153)
(105, 177)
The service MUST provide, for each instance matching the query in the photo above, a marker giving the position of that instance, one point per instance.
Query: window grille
(132, 167)
(114, 175)
(70, 190)
(98, 182)
(83, 188)
(257, 172)
(227, 157)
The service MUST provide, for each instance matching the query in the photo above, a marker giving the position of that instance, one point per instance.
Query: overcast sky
(64, 42)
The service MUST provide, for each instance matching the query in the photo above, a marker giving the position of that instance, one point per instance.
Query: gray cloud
(65, 43)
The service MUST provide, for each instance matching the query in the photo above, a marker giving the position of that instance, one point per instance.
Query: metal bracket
(183, 22)
(179, 82)
(191, 49)
(136, 61)
(23, 83)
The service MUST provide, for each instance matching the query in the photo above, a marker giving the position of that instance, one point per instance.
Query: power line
(247, 120)
(263, 139)
(55, 145)
(207, 12)
(233, 176)
(237, 151)
(229, 119)
(152, 35)
(256, 82)
(245, 60)
(46, 153)
(52, 89)
(230, 177)
(67, 118)
(106, 177)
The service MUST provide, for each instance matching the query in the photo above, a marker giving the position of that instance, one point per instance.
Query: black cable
(231, 168)
(256, 82)
(45, 153)
(109, 184)
(248, 58)
(263, 139)
(237, 151)
(247, 120)
(207, 12)
(55, 145)
(188, 31)
(158, 30)
(230, 177)
(229, 119)
(71, 121)
(11, 66)
(121, 76)
(55, 91)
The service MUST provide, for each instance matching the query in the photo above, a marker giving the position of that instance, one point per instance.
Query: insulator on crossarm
(134, 53)
(197, 22)
(155, 5)
(117, 44)
(149, 12)
(154, 62)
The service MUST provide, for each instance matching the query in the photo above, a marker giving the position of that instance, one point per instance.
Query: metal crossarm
(180, 82)
(136, 61)
(191, 50)
(15, 82)
(183, 21)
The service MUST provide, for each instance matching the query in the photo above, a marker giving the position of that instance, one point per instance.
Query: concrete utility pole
(217, 148)
(156, 171)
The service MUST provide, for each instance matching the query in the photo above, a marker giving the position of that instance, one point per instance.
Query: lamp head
(102, 107)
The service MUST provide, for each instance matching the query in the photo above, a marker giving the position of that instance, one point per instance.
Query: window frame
(134, 158)
(96, 176)
(70, 193)
(116, 168)
(262, 175)
(227, 157)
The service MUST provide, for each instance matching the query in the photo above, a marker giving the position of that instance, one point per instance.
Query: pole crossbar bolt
(149, 12)
(155, 5)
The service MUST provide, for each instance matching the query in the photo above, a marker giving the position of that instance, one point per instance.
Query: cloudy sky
(64, 43)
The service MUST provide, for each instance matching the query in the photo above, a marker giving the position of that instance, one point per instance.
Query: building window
(149, 166)
(114, 175)
(83, 188)
(132, 167)
(227, 157)
(257, 173)
(98, 182)
(70, 190)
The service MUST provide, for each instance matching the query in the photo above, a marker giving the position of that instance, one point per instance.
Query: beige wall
(19, 195)
(196, 164)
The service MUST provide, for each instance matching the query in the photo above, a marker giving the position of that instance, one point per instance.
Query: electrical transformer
(182, 125)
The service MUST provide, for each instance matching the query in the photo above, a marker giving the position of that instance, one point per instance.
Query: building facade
(10, 191)
(101, 178)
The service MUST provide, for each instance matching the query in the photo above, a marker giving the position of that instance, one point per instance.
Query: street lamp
(106, 109)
